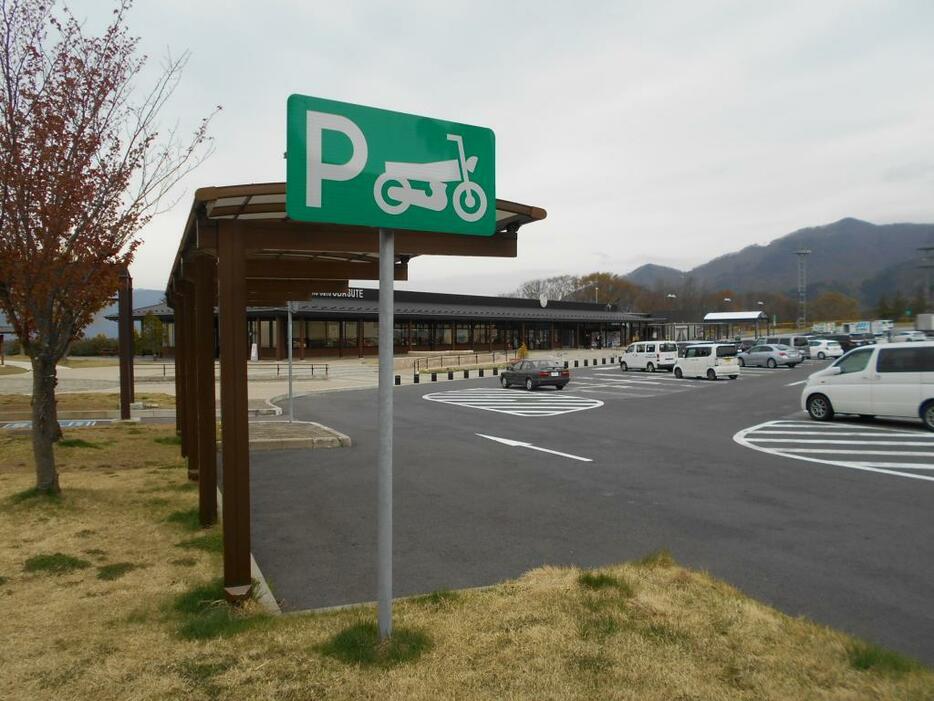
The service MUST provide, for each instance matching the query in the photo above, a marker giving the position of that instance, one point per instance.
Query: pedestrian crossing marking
(515, 402)
(838, 444)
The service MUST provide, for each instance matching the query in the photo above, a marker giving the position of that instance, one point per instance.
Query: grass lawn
(84, 401)
(111, 592)
(11, 370)
(76, 362)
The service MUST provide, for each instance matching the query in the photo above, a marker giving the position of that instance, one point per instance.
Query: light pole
(802, 286)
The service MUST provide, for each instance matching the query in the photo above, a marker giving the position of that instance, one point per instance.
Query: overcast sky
(665, 132)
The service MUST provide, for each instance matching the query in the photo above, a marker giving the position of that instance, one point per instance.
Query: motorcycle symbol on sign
(394, 193)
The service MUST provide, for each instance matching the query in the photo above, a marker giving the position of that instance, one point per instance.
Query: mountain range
(851, 256)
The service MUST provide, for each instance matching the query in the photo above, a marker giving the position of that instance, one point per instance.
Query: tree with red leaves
(83, 169)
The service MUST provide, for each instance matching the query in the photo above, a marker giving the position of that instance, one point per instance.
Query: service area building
(345, 324)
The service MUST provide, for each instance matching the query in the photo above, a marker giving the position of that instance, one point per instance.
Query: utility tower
(803, 286)
(927, 264)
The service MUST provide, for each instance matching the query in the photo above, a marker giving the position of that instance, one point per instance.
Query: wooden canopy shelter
(238, 249)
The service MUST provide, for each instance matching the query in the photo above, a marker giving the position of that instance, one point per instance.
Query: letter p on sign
(317, 169)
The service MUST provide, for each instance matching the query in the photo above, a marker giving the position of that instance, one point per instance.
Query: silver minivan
(799, 343)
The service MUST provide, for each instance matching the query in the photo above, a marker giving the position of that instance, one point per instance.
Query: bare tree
(84, 167)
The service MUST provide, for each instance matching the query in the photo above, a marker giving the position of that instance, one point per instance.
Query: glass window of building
(463, 334)
(443, 334)
(267, 333)
(370, 334)
(400, 334)
(350, 334)
(422, 334)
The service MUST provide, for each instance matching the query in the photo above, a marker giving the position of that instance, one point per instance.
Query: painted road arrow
(520, 444)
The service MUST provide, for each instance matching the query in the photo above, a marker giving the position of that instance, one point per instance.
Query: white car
(896, 379)
(649, 356)
(822, 348)
(710, 360)
(899, 336)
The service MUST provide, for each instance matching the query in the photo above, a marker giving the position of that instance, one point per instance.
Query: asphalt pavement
(491, 482)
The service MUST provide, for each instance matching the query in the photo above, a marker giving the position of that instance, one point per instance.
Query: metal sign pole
(384, 459)
(291, 407)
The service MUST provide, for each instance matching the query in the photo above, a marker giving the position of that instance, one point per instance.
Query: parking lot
(832, 521)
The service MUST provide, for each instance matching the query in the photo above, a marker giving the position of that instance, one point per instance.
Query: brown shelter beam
(331, 238)
(280, 269)
(205, 289)
(275, 292)
(234, 407)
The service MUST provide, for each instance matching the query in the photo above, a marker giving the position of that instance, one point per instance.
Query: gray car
(532, 374)
(770, 356)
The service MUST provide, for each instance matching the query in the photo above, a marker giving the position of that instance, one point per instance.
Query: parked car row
(892, 379)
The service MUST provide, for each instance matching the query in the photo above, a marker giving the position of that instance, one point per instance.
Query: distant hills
(141, 298)
(851, 256)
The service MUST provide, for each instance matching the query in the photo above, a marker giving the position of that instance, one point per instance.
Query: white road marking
(521, 444)
(902, 465)
(840, 452)
(830, 433)
(515, 402)
(799, 382)
(826, 442)
(836, 451)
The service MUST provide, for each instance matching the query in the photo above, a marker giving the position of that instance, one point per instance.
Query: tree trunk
(45, 428)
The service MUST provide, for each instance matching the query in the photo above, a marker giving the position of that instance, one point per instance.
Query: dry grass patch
(144, 616)
(11, 370)
(90, 362)
(83, 401)
(106, 447)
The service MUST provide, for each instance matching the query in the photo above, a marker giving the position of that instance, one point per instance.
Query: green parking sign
(350, 164)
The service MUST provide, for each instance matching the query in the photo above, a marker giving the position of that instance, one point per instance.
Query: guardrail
(448, 360)
(297, 367)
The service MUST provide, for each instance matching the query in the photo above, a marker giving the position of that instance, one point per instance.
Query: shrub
(96, 345)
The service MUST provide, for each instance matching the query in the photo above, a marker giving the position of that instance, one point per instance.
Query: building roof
(363, 303)
(736, 316)
(160, 310)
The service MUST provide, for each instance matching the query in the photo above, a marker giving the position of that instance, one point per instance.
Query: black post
(125, 343)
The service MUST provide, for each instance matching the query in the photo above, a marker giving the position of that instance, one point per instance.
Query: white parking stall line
(835, 426)
(826, 442)
(794, 384)
(515, 402)
(899, 465)
(841, 446)
(624, 394)
(837, 451)
(832, 433)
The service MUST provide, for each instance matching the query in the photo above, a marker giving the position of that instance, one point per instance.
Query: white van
(896, 379)
(650, 356)
(710, 360)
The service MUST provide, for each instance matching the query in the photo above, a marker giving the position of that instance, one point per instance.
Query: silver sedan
(770, 356)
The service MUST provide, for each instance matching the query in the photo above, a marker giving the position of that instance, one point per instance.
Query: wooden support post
(180, 400)
(234, 407)
(205, 289)
(189, 380)
(125, 339)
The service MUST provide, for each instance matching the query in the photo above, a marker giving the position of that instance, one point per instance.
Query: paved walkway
(268, 380)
